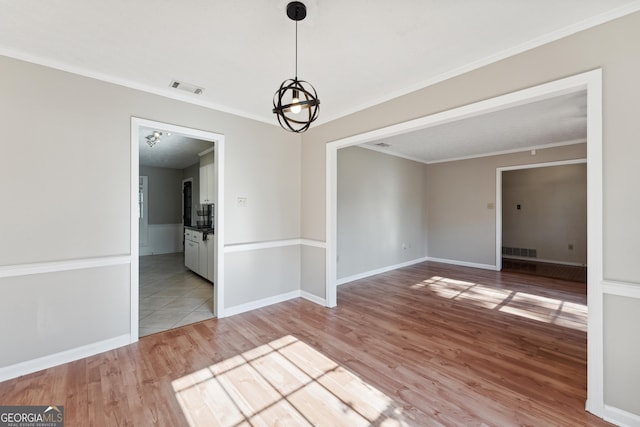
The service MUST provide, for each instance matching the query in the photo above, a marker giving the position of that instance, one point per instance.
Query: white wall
(163, 239)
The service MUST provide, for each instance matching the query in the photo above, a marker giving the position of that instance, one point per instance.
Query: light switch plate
(242, 202)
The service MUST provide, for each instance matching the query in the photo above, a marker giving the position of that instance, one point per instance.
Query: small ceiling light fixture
(296, 96)
(154, 138)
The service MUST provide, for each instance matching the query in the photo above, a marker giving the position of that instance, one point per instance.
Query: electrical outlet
(404, 246)
(242, 202)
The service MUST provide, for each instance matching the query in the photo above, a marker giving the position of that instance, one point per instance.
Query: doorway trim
(499, 197)
(218, 273)
(592, 82)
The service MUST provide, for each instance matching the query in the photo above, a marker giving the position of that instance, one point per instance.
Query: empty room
(369, 234)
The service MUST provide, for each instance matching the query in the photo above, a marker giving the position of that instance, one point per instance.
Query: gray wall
(164, 194)
(246, 269)
(380, 210)
(552, 214)
(606, 46)
(460, 224)
(75, 134)
(439, 210)
(44, 314)
(48, 115)
(621, 353)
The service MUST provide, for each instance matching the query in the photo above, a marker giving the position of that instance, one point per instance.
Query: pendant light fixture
(296, 102)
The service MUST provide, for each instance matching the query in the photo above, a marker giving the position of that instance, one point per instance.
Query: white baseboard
(620, 417)
(369, 273)
(548, 261)
(365, 274)
(45, 362)
(313, 298)
(253, 305)
(163, 239)
(462, 263)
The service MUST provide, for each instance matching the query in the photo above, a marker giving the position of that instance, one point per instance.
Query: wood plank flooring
(548, 269)
(428, 345)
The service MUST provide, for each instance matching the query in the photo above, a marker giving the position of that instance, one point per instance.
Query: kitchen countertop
(208, 230)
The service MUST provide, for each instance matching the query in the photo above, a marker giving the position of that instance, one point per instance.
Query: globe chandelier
(296, 102)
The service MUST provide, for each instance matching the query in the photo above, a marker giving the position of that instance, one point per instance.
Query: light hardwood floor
(425, 345)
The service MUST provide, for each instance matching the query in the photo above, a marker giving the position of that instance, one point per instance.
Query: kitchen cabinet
(198, 253)
(191, 251)
(207, 186)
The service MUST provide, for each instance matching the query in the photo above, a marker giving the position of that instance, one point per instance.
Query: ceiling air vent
(187, 87)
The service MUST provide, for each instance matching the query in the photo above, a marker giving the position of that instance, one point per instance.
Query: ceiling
(560, 120)
(173, 151)
(356, 53)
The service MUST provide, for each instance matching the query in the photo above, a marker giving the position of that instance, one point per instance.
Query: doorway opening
(591, 82)
(187, 201)
(165, 153)
(541, 219)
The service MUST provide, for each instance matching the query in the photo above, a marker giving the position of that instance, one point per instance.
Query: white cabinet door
(192, 255)
(207, 187)
(198, 253)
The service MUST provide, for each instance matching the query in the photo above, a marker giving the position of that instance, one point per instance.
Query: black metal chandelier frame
(296, 102)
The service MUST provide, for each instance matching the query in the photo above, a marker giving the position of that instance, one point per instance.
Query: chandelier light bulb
(295, 103)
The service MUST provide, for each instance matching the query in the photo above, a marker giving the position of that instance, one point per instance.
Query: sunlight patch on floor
(549, 310)
(477, 294)
(284, 382)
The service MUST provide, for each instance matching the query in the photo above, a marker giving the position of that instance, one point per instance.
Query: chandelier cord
(296, 50)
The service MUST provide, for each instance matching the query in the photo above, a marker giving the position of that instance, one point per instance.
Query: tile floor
(171, 295)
